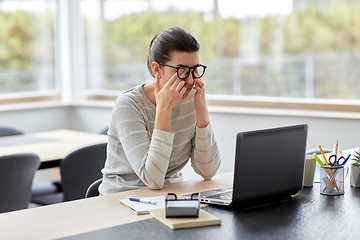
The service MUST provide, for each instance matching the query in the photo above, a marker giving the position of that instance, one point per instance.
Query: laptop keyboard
(223, 196)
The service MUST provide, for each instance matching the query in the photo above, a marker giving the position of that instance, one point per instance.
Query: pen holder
(332, 180)
(182, 208)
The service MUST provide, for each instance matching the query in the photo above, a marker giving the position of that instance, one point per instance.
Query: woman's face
(180, 59)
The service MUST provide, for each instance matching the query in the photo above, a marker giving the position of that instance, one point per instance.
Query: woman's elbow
(209, 177)
(154, 185)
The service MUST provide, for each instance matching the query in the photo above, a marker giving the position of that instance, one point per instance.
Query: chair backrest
(93, 189)
(80, 168)
(317, 151)
(7, 131)
(104, 131)
(16, 176)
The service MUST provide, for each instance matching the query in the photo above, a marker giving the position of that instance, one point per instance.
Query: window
(262, 51)
(27, 55)
(303, 49)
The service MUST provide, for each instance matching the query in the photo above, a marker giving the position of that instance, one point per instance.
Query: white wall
(322, 131)
(38, 119)
(90, 119)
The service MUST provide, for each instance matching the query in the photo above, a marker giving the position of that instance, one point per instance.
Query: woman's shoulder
(130, 96)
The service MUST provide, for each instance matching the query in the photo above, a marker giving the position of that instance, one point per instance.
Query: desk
(305, 216)
(50, 146)
(85, 215)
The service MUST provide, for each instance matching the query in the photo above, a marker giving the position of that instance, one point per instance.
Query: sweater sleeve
(205, 157)
(148, 155)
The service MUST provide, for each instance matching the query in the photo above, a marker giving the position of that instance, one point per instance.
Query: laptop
(269, 166)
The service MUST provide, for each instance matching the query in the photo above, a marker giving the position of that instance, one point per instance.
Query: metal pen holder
(182, 208)
(332, 180)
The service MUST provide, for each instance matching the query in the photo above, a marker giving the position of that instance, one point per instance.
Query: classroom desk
(307, 215)
(50, 146)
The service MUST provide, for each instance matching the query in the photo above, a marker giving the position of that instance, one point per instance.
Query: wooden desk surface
(60, 143)
(75, 217)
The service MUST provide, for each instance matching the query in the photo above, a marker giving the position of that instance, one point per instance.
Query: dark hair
(174, 39)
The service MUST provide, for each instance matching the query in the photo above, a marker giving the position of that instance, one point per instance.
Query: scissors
(333, 161)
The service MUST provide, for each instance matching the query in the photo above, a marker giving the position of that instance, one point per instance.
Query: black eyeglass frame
(187, 74)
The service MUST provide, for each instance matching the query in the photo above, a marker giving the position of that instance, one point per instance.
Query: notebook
(269, 166)
(144, 208)
(204, 219)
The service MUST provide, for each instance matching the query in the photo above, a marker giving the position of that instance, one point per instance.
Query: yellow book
(204, 219)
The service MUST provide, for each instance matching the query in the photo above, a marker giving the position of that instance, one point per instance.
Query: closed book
(204, 219)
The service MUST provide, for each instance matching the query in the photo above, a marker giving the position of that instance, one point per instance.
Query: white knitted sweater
(139, 155)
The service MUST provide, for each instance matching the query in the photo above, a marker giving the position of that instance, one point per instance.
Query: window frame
(38, 96)
(70, 66)
(333, 105)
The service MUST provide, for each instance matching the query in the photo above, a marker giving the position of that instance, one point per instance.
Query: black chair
(38, 188)
(7, 131)
(78, 170)
(93, 189)
(16, 176)
(45, 193)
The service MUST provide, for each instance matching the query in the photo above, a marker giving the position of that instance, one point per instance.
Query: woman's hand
(202, 114)
(167, 98)
(170, 94)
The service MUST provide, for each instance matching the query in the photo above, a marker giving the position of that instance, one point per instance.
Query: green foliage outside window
(327, 34)
(335, 28)
(26, 48)
(17, 31)
(331, 35)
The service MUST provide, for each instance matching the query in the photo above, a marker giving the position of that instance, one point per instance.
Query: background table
(50, 146)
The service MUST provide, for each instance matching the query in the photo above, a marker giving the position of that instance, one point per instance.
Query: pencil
(329, 171)
(336, 148)
(322, 153)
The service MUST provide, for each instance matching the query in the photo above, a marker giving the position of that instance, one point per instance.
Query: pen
(141, 200)
(329, 171)
(318, 159)
(345, 160)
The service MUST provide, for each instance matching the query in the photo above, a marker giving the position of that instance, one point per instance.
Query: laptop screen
(269, 162)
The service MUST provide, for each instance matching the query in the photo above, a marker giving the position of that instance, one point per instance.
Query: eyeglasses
(197, 71)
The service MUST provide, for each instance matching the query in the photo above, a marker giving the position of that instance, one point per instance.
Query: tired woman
(157, 127)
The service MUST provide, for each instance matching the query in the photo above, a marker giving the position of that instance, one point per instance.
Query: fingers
(175, 84)
(199, 83)
(156, 84)
(198, 86)
(180, 86)
(174, 79)
(168, 95)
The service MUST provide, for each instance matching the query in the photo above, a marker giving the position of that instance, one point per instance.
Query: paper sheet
(144, 208)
